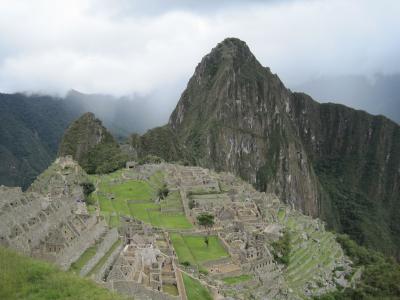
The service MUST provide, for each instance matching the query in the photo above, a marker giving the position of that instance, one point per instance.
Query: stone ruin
(49, 221)
(145, 267)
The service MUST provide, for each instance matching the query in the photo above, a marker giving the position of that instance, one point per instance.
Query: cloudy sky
(151, 47)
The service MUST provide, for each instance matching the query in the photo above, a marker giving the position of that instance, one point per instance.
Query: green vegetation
(31, 128)
(25, 278)
(89, 143)
(88, 189)
(192, 249)
(163, 191)
(380, 277)
(104, 158)
(282, 248)
(207, 221)
(194, 289)
(311, 252)
(237, 279)
(358, 184)
(121, 197)
(150, 159)
(171, 289)
(102, 261)
(77, 266)
(160, 142)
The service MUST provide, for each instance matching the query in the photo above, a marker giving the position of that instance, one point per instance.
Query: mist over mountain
(378, 95)
(122, 115)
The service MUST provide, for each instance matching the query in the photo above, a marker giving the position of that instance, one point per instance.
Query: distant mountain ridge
(31, 128)
(378, 95)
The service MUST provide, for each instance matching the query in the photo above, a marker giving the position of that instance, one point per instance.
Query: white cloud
(122, 48)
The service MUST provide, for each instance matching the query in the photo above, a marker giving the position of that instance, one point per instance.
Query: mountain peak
(232, 48)
(232, 42)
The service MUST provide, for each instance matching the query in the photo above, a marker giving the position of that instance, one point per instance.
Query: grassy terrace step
(77, 266)
(194, 289)
(306, 268)
(237, 279)
(306, 272)
(300, 253)
(193, 249)
(157, 179)
(102, 261)
(121, 197)
(315, 251)
(23, 278)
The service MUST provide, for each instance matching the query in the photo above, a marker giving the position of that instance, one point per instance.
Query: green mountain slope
(89, 143)
(357, 158)
(26, 278)
(31, 128)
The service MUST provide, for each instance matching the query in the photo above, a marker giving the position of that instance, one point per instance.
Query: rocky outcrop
(328, 160)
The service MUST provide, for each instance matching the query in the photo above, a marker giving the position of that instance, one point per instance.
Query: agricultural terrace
(311, 256)
(117, 196)
(192, 248)
(194, 289)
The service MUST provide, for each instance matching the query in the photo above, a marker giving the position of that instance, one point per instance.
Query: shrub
(282, 248)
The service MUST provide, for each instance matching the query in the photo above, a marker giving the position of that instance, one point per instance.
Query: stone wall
(109, 239)
(131, 288)
(109, 262)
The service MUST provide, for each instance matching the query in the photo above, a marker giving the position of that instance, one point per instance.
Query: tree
(163, 192)
(88, 188)
(206, 220)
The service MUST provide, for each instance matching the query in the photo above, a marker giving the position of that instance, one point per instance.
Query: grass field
(25, 278)
(194, 289)
(194, 250)
(118, 197)
(237, 279)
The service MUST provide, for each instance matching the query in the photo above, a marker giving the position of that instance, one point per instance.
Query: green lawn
(237, 279)
(201, 251)
(135, 198)
(194, 289)
(119, 197)
(170, 289)
(23, 278)
(194, 250)
(131, 190)
(183, 252)
(157, 179)
(177, 221)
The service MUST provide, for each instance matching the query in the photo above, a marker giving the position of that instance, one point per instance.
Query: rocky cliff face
(233, 116)
(325, 159)
(357, 159)
(89, 143)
